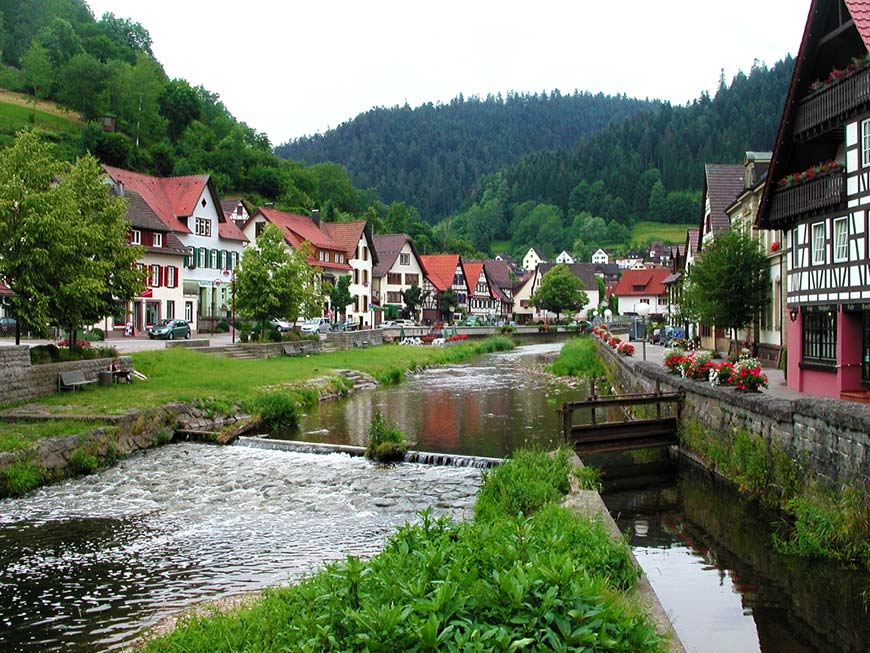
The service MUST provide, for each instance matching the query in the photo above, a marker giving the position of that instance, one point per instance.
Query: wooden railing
(820, 194)
(834, 102)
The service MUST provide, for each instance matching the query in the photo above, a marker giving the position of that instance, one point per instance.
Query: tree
(413, 297)
(448, 302)
(180, 105)
(38, 72)
(729, 285)
(339, 295)
(560, 291)
(63, 239)
(274, 281)
(80, 84)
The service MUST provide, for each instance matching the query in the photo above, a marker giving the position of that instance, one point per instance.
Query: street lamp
(232, 275)
(643, 311)
(608, 315)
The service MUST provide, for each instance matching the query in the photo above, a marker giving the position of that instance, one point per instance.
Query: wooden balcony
(833, 105)
(819, 195)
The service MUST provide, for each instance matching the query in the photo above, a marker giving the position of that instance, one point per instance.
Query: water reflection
(708, 556)
(85, 564)
(486, 408)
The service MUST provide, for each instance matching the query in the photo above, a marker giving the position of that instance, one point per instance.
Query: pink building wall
(847, 375)
(849, 340)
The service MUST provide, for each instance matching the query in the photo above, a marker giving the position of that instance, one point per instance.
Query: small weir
(421, 457)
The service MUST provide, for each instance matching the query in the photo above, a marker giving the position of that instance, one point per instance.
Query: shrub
(83, 462)
(95, 335)
(391, 376)
(588, 477)
(244, 336)
(277, 410)
(222, 326)
(22, 476)
(578, 357)
(386, 442)
(507, 329)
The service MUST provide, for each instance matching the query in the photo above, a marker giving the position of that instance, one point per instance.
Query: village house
(326, 254)
(564, 257)
(443, 272)
(234, 209)
(589, 283)
(398, 268)
(532, 260)
(643, 287)
(767, 334)
(483, 302)
(501, 282)
(818, 193)
(190, 209)
(355, 239)
(600, 257)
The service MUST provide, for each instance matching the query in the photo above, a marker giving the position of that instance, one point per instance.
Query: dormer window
(135, 237)
(158, 240)
(203, 227)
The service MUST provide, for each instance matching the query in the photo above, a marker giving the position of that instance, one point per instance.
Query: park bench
(291, 350)
(308, 348)
(72, 380)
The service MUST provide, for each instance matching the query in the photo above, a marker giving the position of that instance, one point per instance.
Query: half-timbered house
(818, 192)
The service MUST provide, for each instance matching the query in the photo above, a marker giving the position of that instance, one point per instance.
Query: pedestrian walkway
(126, 345)
(776, 386)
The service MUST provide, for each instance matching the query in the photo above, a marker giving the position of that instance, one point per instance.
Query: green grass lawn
(181, 375)
(15, 436)
(498, 246)
(669, 233)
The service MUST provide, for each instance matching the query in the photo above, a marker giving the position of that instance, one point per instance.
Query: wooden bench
(72, 380)
(291, 350)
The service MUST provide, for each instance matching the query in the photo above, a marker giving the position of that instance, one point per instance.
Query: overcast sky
(290, 68)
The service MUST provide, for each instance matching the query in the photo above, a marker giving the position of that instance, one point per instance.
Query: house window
(819, 243)
(155, 276)
(356, 276)
(365, 253)
(170, 309)
(170, 278)
(203, 227)
(158, 240)
(152, 313)
(820, 336)
(365, 277)
(865, 143)
(341, 258)
(258, 229)
(394, 279)
(235, 260)
(201, 261)
(841, 240)
(394, 297)
(404, 259)
(136, 237)
(412, 279)
(214, 259)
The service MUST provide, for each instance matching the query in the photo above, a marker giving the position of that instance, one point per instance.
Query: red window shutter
(174, 276)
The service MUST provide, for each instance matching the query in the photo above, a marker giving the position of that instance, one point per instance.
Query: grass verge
(17, 436)
(541, 579)
(180, 375)
(579, 357)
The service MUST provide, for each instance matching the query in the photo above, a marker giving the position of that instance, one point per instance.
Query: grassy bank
(180, 375)
(578, 357)
(819, 521)
(524, 574)
(17, 436)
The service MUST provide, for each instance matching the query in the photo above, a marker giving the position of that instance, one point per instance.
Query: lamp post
(608, 315)
(232, 275)
(643, 311)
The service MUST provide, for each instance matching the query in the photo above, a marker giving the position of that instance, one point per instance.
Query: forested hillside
(431, 156)
(648, 167)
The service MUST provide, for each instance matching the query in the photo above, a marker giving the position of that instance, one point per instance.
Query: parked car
(7, 326)
(396, 324)
(315, 325)
(280, 325)
(170, 329)
(348, 325)
(387, 324)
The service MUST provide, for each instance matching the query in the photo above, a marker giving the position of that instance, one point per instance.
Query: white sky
(292, 68)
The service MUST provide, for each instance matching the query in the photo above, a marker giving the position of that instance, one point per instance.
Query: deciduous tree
(560, 291)
(339, 295)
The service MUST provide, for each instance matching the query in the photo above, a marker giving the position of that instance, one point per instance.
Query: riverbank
(497, 582)
(206, 393)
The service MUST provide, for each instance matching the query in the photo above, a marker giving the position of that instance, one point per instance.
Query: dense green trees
(560, 292)
(63, 239)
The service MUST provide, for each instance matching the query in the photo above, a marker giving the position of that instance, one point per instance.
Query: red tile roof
(440, 269)
(298, 229)
(472, 274)
(649, 282)
(860, 10)
(229, 231)
(6, 291)
(345, 234)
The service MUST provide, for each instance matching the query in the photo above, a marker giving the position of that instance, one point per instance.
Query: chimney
(315, 217)
(119, 188)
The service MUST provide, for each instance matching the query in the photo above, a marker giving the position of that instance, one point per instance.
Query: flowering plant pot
(625, 348)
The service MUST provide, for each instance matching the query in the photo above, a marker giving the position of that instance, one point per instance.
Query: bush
(83, 462)
(578, 357)
(222, 326)
(386, 442)
(95, 335)
(244, 336)
(22, 476)
(277, 410)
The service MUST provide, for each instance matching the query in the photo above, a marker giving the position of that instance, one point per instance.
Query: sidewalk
(776, 386)
(129, 345)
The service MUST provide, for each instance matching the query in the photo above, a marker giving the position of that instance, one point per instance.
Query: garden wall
(21, 381)
(834, 435)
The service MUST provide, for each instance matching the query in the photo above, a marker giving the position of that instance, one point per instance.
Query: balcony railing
(821, 194)
(836, 101)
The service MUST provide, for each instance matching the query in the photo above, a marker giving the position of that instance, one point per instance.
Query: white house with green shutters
(190, 209)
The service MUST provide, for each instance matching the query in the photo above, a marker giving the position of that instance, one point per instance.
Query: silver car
(315, 325)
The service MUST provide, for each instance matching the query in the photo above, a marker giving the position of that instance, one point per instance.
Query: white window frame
(865, 143)
(170, 278)
(404, 259)
(201, 260)
(203, 227)
(841, 240)
(818, 245)
(135, 237)
(155, 276)
(158, 239)
(213, 258)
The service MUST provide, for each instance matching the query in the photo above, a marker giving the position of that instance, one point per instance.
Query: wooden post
(658, 403)
(567, 418)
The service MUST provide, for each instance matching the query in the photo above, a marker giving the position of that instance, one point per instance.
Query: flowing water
(86, 564)
(489, 407)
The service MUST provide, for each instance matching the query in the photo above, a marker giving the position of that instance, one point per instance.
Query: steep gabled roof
(499, 273)
(801, 79)
(472, 271)
(388, 248)
(722, 184)
(297, 229)
(583, 271)
(140, 214)
(440, 269)
(692, 236)
(345, 234)
(229, 231)
(642, 282)
(6, 291)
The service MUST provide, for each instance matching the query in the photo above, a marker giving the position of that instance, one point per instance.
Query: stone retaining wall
(21, 381)
(351, 339)
(834, 435)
